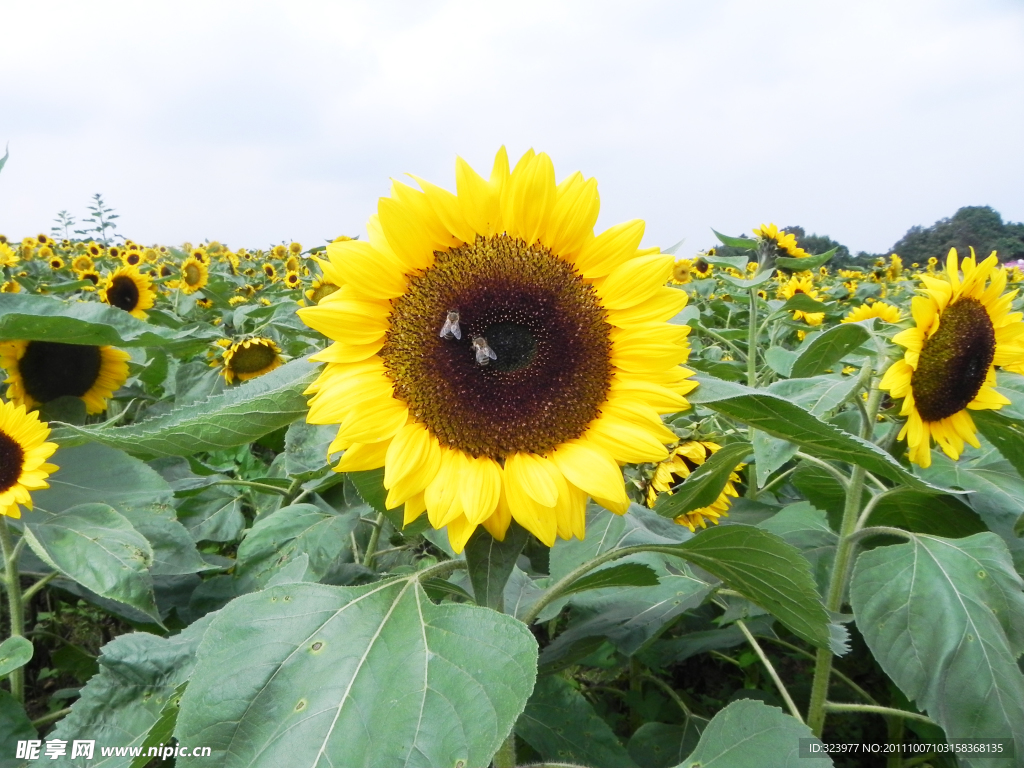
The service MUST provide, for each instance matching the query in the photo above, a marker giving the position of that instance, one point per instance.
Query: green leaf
(661, 745)
(924, 513)
(752, 282)
(96, 546)
(14, 727)
(29, 317)
(163, 729)
(770, 454)
(564, 728)
(750, 734)
(306, 674)
(805, 262)
(1005, 433)
(780, 359)
(293, 531)
(827, 348)
(490, 563)
(306, 449)
(15, 653)
(945, 620)
(766, 570)
(126, 704)
(706, 483)
(237, 416)
(369, 484)
(782, 419)
(736, 242)
(623, 575)
(820, 395)
(736, 262)
(807, 529)
(803, 303)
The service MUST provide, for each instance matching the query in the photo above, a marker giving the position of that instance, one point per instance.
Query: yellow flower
(8, 257)
(679, 465)
(23, 455)
(805, 285)
(292, 280)
(250, 358)
(295, 248)
(82, 263)
(270, 271)
(701, 267)
(41, 371)
(555, 371)
(10, 286)
(130, 290)
(279, 251)
(786, 243)
(319, 290)
(886, 312)
(681, 272)
(963, 329)
(194, 275)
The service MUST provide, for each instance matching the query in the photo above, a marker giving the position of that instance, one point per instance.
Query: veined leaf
(805, 262)
(781, 418)
(237, 416)
(623, 575)
(706, 483)
(490, 562)
(752, 282)
(945, 620)
(803, 303)
(736, 242)
(15, 652)
(28, 317)
(827, 348)
(1005, 433)
(306, 674)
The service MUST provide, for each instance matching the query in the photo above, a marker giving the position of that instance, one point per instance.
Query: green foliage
(978, 226)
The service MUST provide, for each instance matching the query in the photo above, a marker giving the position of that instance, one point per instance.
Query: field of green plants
(483, 486)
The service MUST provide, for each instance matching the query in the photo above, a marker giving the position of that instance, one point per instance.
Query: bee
(451, 329)
(484, 354)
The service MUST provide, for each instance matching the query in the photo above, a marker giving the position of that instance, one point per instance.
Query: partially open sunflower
(41, 371)
(130, 290)
(963, 330)
(494, 356)
(23, 455)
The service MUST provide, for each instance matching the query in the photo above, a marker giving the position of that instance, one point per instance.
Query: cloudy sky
(257, 122)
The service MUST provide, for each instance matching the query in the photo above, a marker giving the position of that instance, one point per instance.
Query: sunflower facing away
(963, 329)
(785, 243)
(23, 455)
(679, 465)
(250, 358)
(494, 356)
(130, 290)
(41, 371)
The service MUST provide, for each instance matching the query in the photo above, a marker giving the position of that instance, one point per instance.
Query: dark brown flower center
(12, 457)
(50, 369)
(954, 361)
(253, 359)
(193, 275)
(123, 293)
(545, 326)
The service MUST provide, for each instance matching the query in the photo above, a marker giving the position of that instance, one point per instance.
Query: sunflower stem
(14, 603)
(371, 547)
(790, 704)
(833, 706)
(845, 549)
(752, 344)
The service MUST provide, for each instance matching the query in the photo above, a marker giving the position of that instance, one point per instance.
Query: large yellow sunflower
(130, 290)
(963, 329)
(679, 465)
(23, 455)
(41, 371)
(494, 356)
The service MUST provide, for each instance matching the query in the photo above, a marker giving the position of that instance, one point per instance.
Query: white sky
(257, 122)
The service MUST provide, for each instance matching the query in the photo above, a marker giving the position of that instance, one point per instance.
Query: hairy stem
(14, 602)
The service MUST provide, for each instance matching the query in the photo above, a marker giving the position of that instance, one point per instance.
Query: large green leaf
(736, 242)
(765, 569)
(124, 703)
(28, 317)
(289, 533)
(490, 563)
(750, 734)
(237, 416)
(781, 418)
(706, 483)
(14, 727)
(622, 575)
(96, 546)
(564, 728)
(306, 674)
(799, 264)
(823, 350)
(819, 394)
(945, 620)
(807, 529)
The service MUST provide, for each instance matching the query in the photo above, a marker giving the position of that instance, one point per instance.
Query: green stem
(717, 337)
(752, 342)
(371, 546)
(50, 718)
(261, 487)
(853, 686)
(843, 481)
(771, 670)
(671, 693)
(31, 591)
(833, 706)
(837, 585)
(14, 602)
(293, 491)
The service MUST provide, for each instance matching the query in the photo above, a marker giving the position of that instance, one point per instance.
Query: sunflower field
(487, 487)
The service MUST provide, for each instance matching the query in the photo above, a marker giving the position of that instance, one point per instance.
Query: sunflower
(56, 263)
(10, 286)
(494, 356)
(292, 280)
(805, 285)
(82, 263)
(674, 470)
(292, 264)
(895, 269)
(41, 371)
(23, 455)
(92, 276)
(248, 359)
(319, 290)
(8, 257)
(114, 252)
(681, 272)
(132, 258)
(95, 250)
(199, 254)
(885, 312)
(701, 267)
(279, 251)
(130, 290)
(270, 271)
(963, 329)
(194, 275)
(785, 243)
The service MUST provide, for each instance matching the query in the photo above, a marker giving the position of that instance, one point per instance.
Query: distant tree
(979, 226)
